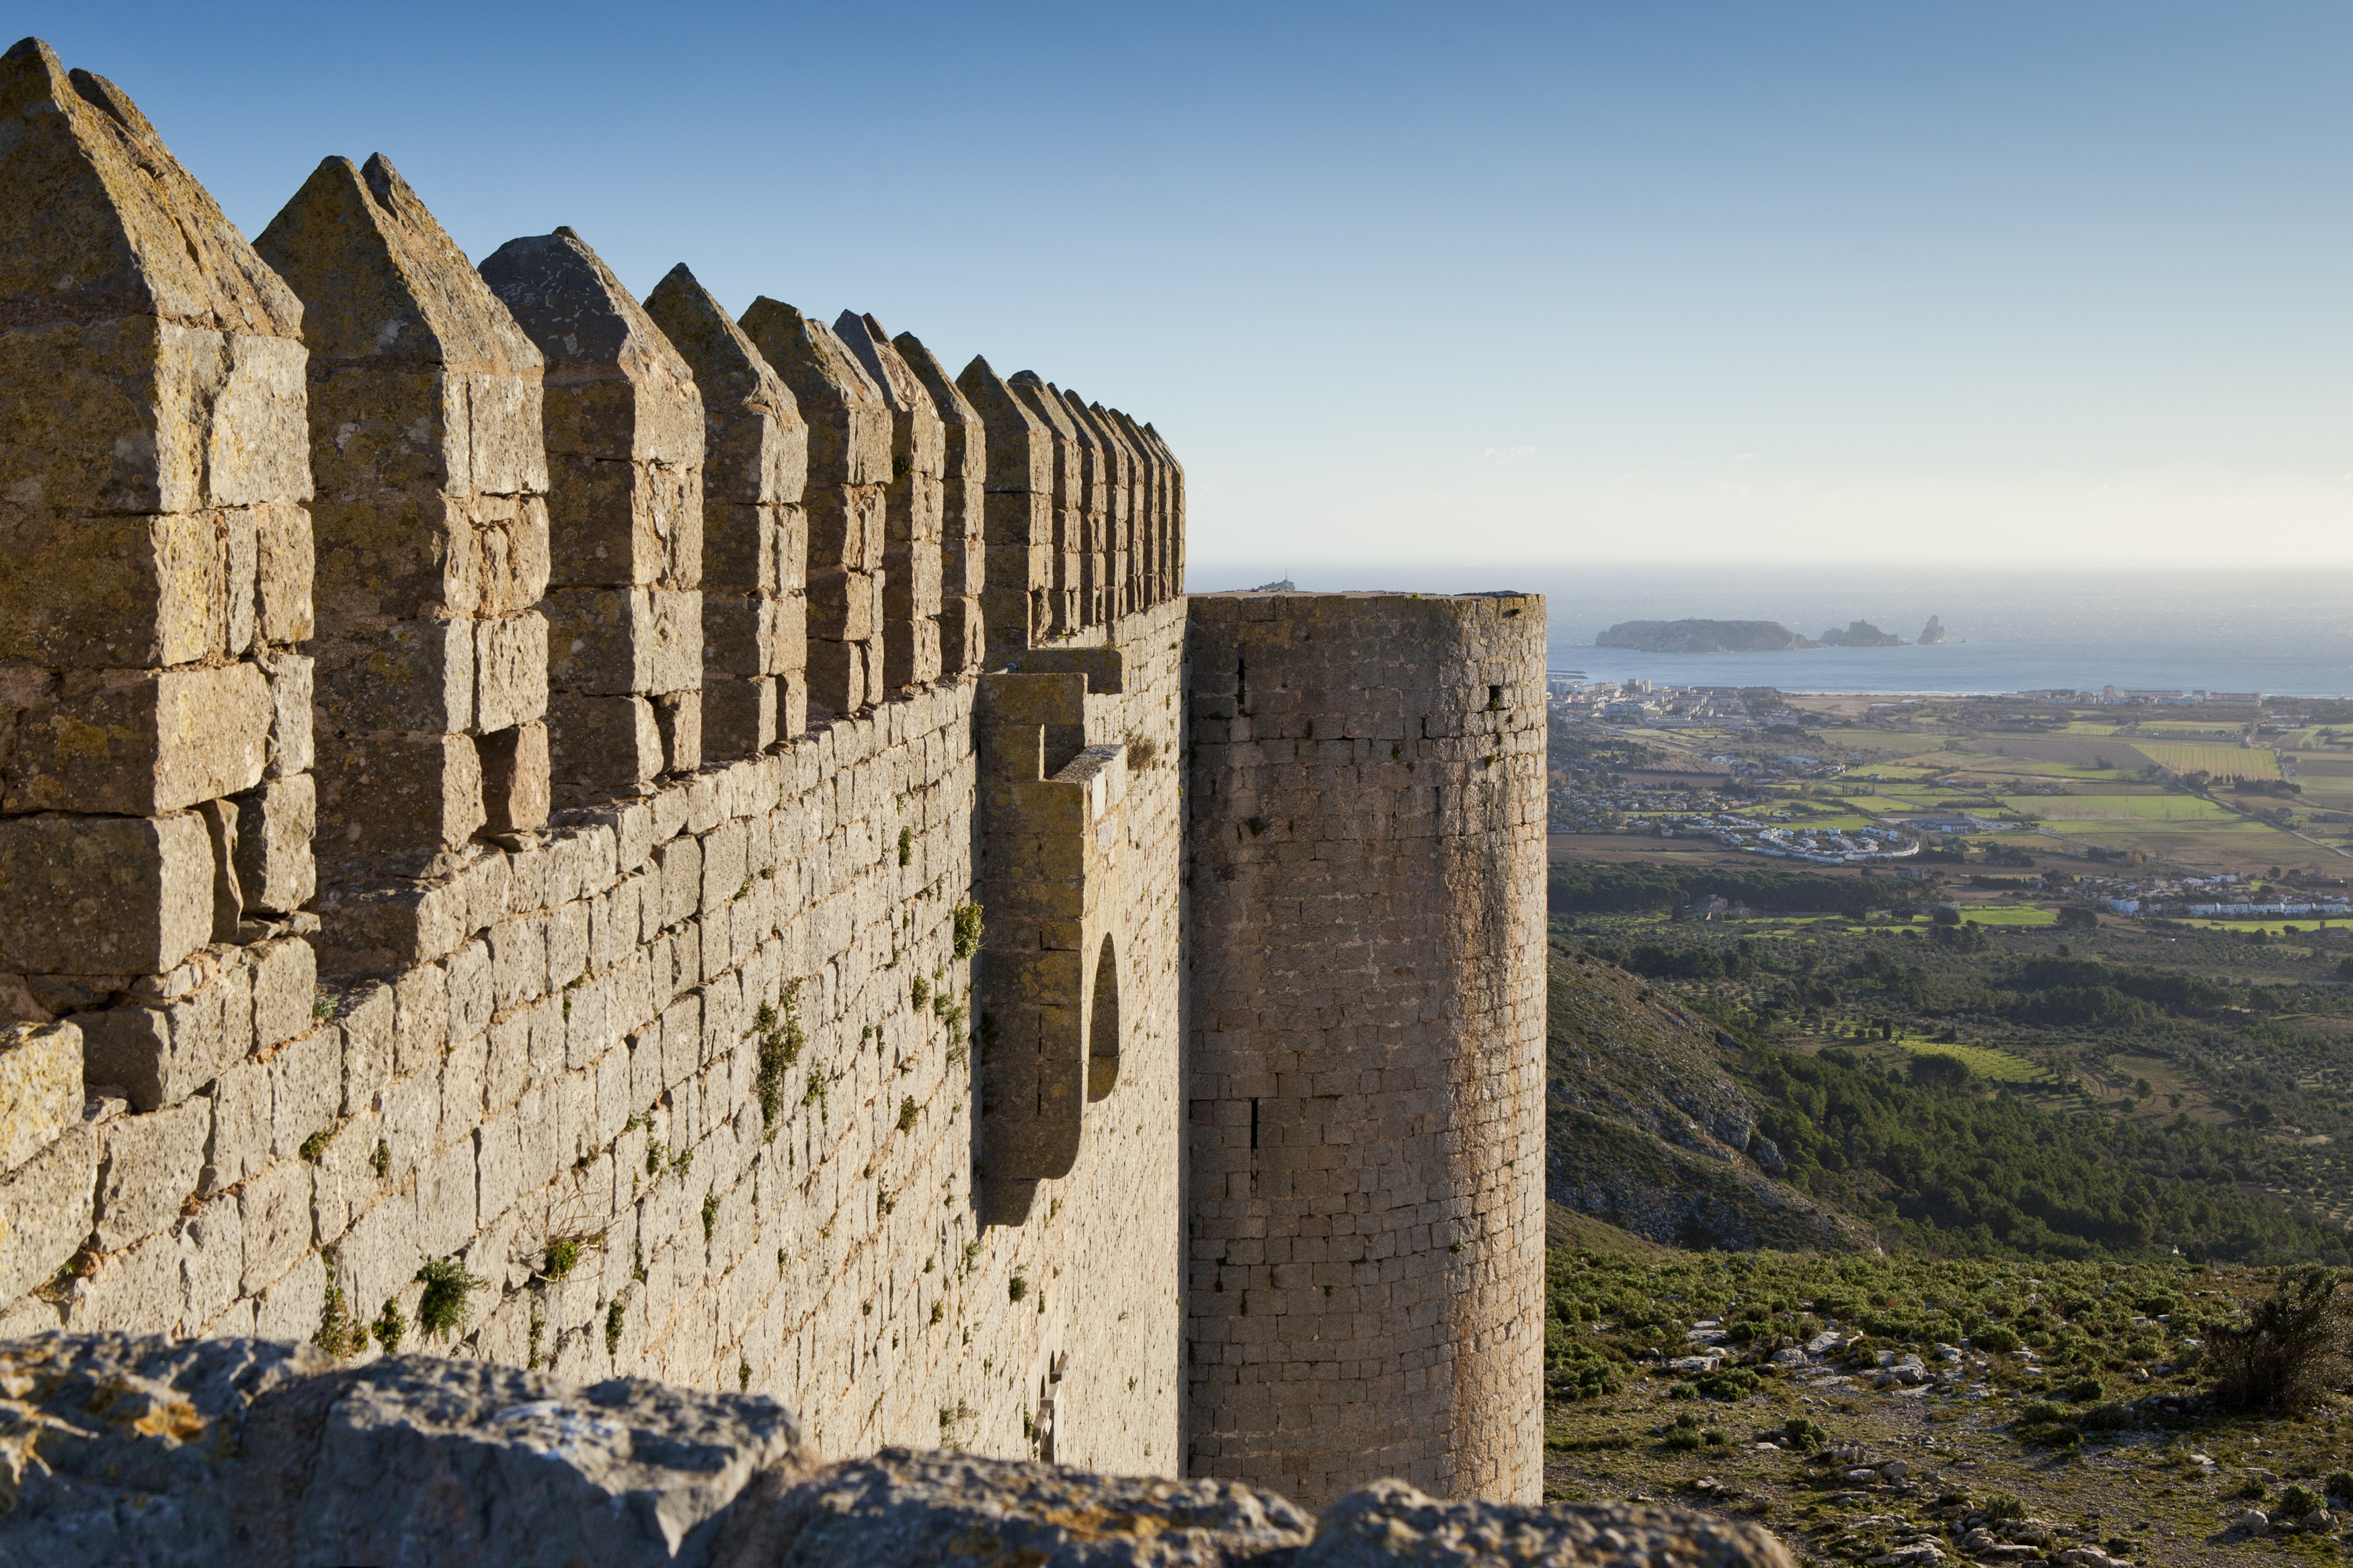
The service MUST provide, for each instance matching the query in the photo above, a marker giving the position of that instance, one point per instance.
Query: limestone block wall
(754, 527)
(634, 1027)
(430, 528)
(1364, 1041)
(963, 486)
(1019, 511)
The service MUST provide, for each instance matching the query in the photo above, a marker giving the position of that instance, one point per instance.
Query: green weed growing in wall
(441, 1312)
(967, 930)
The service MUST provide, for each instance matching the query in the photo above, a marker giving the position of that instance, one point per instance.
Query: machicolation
(614, 838)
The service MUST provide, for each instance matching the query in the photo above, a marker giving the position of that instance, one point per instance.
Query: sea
(2022, 627)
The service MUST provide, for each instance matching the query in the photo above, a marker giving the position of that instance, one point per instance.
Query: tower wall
(1365, 1036)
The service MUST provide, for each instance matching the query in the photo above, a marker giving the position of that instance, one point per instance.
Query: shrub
(1803, 1435)
(2290, 1351)
(2299, 1500)
(2040, 1412)
(1996, 1338)
(2083, 1388)
(390, 1328)
(2339, 1483)
(2251, 1490)
(1729, 1382)
(441, 1312)
(2003, 1505)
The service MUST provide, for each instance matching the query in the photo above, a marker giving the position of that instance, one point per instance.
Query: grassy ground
(2055, 1429)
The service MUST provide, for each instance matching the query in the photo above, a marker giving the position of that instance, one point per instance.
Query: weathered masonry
(602, 833)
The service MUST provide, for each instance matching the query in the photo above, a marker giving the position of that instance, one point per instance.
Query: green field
(2010, 915)
(2119, 807)
(1994, 1067)
(2222, 761)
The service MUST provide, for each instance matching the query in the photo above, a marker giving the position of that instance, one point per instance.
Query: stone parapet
(630, 1027)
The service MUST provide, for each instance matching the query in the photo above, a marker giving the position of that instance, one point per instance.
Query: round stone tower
(1364, 1041)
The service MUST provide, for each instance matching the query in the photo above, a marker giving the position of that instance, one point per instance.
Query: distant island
(1860, 634)
(1702, 636)
(1933, 632)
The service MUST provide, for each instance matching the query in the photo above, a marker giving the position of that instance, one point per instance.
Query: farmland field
(1994, 1067)
(2012, 915)
(2223, 762)
(2118, 808)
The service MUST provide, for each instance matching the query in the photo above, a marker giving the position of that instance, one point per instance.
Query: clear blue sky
(1552, 283)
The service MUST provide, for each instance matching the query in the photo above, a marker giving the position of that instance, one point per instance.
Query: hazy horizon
(1709, 283)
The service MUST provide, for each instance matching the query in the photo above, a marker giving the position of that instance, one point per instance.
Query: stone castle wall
(1365, 1058)
(604, 836)
(617, 999)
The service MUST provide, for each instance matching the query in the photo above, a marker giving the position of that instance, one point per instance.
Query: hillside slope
(1647, 1130)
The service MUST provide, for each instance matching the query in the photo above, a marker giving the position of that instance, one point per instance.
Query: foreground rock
(143, 1452)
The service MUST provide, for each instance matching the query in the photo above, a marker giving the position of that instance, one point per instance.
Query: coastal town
(2205, 788)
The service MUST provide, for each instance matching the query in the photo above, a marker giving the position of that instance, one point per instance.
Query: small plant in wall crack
(441, 1312)
(710, 1215)
(614, 1316)
(967, 930)
(390, 1327)
(781, 1040)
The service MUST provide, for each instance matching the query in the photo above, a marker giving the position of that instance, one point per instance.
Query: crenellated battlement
(613, 836)
(489, 778)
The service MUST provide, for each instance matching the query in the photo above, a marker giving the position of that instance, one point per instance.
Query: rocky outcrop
(1933, 632)
(1700, 636)
(120, 1451)
(1860, 634)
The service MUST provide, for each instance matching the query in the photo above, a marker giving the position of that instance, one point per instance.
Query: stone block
(741, 546)
(284, 569)
(306, 1090)
(616, 389)
(517, 961)
(415, 677)
(124, 593)
(510, 671)
(152, 1166)
(601, 746)
(137, 413)
(290, 1308)
(756, 445)
(285, 989)
(276, 873)
(678, 715)
(40, 1088)
(445, 1200)
(472, 990)
(420, 1019)
(46, 1209)
(274, 1218)
(160, 1056)
(212, 1259)
(143, 742)
(239, 1141)
(849, 425)
(368, 1019)
(291, 678)
(605, 641)
(739, 716)
(398, 800)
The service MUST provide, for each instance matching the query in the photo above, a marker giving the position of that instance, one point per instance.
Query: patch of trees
(1968, 1177)
(1641, 887)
